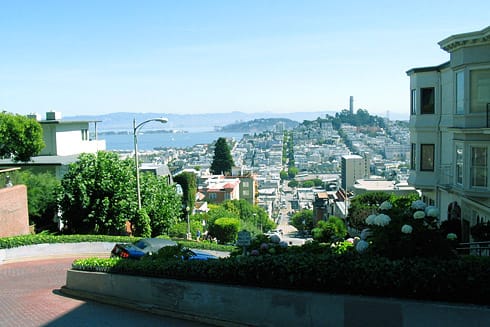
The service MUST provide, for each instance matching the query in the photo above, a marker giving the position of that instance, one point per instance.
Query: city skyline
(197, 57)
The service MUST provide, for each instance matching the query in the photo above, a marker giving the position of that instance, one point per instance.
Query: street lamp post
(135, 134)
(189, 235)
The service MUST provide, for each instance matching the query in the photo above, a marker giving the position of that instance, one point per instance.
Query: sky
(214, 56)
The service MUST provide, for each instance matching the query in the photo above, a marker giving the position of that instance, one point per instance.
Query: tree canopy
(222, 160)
(41, 196)
(188, 181)
(303, 220)
(98, 196)
(20, 137)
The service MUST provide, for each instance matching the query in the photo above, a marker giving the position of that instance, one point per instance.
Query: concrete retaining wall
(224, 305)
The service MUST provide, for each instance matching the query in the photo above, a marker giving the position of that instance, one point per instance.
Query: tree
(222, 161)
(188, 181)
(252, 217)
(41, 196)
(292, 172)
(332, 230)
(303, 220)
(97, 196)
(20, 137)
(161, 201)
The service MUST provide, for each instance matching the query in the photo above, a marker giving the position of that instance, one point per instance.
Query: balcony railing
(474, 248)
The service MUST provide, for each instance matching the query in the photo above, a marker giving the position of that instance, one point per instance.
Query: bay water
(147, 142)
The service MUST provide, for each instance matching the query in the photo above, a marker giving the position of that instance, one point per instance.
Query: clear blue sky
(203, 56)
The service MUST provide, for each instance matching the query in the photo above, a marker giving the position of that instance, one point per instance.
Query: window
(245, 184)
(413, 158)
(480, 90)
(84, 134)
(212, 196)
(413, 109)
(246, 193)
(479, 166)
(427, 157)
(460, 92)
(459, 164)
(427, 100)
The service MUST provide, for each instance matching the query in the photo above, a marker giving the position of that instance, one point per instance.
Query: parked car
(151, 246)
(138, 249)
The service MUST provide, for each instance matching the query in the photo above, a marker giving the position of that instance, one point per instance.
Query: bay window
(427, 157)
(479, 90)
(478, 166)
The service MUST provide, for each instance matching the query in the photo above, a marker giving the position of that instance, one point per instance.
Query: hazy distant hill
(123, 121)
(259, 125)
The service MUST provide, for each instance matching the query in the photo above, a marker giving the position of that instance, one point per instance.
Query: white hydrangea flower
(452, 236)
(362, 246)
(386, 205)
(382, 220)
(407, 229)
(432, 212)
(419, 214)
(418, 205)
(370, 219)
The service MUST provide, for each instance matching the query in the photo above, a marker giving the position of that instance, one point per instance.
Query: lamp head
(162, 120)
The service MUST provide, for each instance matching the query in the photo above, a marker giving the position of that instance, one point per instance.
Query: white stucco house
(64, 141)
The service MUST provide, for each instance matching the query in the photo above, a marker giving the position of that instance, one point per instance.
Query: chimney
(53, 115)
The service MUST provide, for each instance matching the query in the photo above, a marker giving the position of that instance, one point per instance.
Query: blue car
(150, 246)
(138, 249)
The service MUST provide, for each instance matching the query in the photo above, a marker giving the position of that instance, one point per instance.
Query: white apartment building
(354, 167)
(64, 141)
(450, 130)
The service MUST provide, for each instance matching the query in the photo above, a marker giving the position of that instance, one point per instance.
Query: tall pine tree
(222, 161)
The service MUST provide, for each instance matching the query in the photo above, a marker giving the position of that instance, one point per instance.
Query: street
(29, 296)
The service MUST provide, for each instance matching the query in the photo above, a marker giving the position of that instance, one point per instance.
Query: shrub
(480, 232)
(331, 230)
(225, 229)
(141, 224)
(178, 230)
(398, 231)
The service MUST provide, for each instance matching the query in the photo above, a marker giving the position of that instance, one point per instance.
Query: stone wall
(14, 217)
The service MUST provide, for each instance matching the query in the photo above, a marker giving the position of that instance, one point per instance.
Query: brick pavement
(29, 297)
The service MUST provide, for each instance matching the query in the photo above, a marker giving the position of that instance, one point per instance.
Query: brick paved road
(29, 297)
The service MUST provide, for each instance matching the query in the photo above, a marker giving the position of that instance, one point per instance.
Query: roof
(43, 160)
(63, 121)
(428, 68)
(463, 40)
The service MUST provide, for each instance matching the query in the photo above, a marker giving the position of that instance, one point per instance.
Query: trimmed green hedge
(43, 238)
(459, 279)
